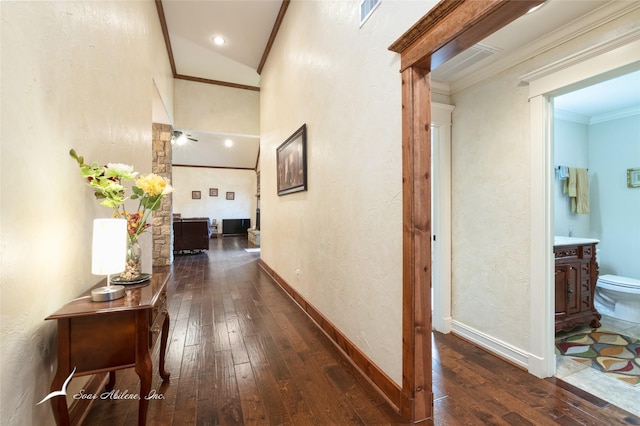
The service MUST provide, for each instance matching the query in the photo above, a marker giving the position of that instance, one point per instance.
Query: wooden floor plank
(253, 410)
(241, 352)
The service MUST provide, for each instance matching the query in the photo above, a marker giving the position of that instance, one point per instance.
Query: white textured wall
(490, 209)
(74, 74)
(491, 194)
(242, 182)
(344, 235)
(615, 209)
(220, 109)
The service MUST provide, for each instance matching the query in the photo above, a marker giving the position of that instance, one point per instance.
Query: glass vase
(133, 267)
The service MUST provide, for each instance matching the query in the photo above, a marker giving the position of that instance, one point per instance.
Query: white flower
(120, 171)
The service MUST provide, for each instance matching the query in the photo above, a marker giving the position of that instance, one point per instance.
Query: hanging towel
(581, 200)
(569, 186)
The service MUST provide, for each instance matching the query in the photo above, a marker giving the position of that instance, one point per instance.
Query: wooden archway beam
(449, 28)
(453, 26)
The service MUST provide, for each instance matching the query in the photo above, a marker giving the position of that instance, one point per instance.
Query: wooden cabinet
(95, 337)
(576, 274)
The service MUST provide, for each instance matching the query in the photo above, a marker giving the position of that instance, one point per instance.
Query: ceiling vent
(366, 9)
(464, 60)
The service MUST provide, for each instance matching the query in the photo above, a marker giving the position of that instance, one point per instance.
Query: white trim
(600, 118)
(564, 76)
(441, 88)
(573, 117)
(541, 294)
(601, 16)
(615, 115)
(502, 349)
(441, 217)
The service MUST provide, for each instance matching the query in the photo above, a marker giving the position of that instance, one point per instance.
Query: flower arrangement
(106, 182)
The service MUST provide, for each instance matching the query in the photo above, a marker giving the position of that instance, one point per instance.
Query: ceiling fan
(179, 137)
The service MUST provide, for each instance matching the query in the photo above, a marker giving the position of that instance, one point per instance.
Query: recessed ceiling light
(218, 40)
(228, 143)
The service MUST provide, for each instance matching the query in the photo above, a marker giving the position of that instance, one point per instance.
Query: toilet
(618, 297)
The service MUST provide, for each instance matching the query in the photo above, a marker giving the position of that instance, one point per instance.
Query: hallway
(241, 352)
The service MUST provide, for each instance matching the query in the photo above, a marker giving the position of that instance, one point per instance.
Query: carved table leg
(59, 403)
(163, 348)
(112, 381)
(143, 369)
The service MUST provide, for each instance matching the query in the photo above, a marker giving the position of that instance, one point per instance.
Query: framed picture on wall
(291, 161)
(195, 195)
(633, 178)
(213, 192)
(231, 195)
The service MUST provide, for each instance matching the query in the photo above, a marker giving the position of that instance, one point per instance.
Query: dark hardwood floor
(241, 352)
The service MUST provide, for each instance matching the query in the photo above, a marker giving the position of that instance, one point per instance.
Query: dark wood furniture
(576, 274)
(98, 337)
(191, 234)
(235, 226)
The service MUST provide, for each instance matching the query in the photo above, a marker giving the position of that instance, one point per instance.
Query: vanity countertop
(573, 241)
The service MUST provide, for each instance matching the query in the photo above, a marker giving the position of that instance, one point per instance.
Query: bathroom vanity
(576, 274)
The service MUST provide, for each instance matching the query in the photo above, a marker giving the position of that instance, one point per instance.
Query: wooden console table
(98, 337)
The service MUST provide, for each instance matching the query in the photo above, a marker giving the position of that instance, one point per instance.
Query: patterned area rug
(614, 354)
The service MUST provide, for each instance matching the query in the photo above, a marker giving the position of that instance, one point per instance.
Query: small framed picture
(213, 192)
(231, 195)
(195, 195)
(633, 178)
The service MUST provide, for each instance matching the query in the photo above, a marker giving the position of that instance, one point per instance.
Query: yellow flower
(151, 184)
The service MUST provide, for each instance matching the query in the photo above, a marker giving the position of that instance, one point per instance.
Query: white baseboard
(443, 325)
(491, 344)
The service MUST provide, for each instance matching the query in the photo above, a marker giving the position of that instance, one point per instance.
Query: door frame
(448, 29)
(598, 63)
(441, 212)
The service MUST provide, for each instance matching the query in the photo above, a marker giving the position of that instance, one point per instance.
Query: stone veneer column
(162, 218)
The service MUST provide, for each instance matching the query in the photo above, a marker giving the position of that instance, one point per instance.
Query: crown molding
(216, 82)
(274, 34)
(599, 118)
(441, 88)
(562, 35)
(583, 55)
(615, 115)
(172, 62)
(573, 117)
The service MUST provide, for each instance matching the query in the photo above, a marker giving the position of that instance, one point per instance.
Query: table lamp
(109, 253)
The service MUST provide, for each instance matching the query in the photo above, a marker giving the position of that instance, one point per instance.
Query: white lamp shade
(109, 246)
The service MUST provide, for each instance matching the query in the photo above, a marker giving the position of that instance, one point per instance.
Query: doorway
(441, 216)
(544, 85)
(596, 128)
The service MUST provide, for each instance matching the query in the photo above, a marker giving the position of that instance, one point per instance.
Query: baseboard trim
(79, 408)
(378, 378)
(489, 343)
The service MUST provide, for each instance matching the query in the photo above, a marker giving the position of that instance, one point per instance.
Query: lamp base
(107, 293)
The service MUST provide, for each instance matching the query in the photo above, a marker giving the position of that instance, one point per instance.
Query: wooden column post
(416, 269)
(450, 27)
